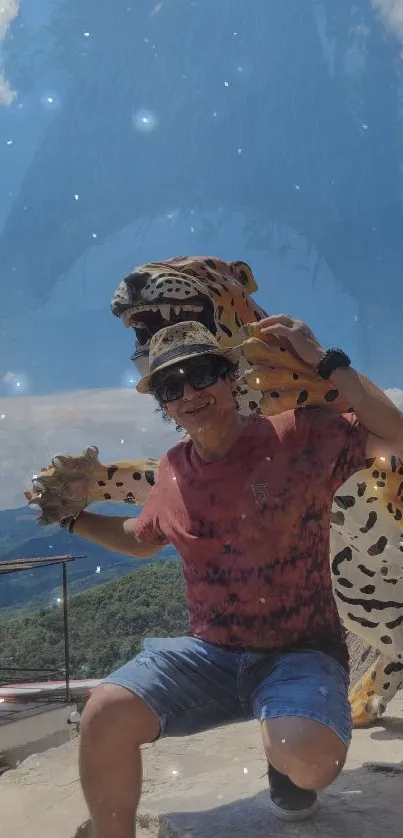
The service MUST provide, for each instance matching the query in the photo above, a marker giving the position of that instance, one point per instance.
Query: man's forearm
(113, 533)
(374, 410)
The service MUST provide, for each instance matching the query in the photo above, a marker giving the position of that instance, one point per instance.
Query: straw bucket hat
(178, 343)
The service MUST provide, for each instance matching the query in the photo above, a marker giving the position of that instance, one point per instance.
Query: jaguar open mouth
(147, 320)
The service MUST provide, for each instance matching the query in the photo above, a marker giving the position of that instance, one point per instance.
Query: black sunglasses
(204, 374)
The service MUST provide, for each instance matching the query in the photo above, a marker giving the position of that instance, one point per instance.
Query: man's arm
(113, 533)
(374, 411)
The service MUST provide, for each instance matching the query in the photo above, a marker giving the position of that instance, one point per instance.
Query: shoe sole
(298, 815)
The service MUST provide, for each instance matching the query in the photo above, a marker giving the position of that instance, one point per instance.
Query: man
(246, 501)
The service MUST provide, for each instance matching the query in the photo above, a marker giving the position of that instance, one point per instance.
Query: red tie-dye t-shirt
(252, 529)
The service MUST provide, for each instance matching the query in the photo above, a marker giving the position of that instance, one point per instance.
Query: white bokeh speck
(144, 121)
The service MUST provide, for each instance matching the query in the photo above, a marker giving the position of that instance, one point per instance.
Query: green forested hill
(107, 624)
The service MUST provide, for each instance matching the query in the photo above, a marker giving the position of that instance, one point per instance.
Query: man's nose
(189, 392)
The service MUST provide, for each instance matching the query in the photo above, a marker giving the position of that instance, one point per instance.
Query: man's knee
(307, 751)
(113, 712)
(317, 769)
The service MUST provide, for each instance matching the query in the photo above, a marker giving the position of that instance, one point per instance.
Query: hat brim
(233, 355)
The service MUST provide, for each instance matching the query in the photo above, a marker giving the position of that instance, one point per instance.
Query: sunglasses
(205, 374)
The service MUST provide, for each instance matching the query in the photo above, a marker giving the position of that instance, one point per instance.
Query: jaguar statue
(366, 539)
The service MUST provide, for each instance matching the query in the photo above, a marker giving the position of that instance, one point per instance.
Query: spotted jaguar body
(366, 539)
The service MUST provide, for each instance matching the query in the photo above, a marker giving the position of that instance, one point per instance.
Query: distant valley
(21, 537)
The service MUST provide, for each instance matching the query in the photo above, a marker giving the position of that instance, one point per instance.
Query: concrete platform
(32, 729)
(214, 786)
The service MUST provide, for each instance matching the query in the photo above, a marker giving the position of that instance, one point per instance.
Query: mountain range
(21, 537)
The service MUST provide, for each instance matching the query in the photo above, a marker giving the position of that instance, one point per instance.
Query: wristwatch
(332, 360)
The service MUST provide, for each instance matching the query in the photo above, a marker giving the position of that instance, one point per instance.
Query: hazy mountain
(21, 537)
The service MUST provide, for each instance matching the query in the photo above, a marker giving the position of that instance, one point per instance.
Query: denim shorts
(194, 686)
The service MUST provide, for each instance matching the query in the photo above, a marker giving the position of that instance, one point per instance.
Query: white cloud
(392, 12)
(8, 12)
(121, 423)
(396, 396)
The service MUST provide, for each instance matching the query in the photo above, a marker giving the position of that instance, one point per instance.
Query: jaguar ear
(244, 275)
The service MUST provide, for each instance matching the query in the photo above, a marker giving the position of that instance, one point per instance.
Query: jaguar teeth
(165, 310)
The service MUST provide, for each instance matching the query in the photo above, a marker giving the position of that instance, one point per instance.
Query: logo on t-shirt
(260, 491)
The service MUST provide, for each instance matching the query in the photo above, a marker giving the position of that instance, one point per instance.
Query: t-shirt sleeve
(338, 439)
(147, 526)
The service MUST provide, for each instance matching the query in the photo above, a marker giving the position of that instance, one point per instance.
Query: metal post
(66, 632)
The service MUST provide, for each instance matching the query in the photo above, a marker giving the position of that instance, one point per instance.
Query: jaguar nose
(120, 300)
(128, 293)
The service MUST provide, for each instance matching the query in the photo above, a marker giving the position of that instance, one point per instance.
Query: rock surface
(213, 786)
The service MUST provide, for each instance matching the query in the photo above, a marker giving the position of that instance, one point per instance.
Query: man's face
(204, 395)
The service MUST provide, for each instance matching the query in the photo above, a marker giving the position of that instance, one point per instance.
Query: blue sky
(68, 341)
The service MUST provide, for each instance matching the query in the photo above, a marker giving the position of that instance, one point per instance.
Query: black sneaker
(287, 801)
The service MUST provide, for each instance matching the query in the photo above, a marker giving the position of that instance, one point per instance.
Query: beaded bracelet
(69, 523)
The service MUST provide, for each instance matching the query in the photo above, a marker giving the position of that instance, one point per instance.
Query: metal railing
(16, 566)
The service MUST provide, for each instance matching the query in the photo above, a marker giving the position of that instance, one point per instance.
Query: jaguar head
(214, 292)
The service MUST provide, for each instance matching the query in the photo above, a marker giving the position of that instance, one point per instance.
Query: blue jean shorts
(194, 686)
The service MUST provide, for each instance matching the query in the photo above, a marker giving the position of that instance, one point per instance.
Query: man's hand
(296, 333)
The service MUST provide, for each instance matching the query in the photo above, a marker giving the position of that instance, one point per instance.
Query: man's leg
(306, 728)
(174, 687)
(114, 724)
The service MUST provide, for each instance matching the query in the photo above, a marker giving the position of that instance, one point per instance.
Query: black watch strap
(332, 360)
